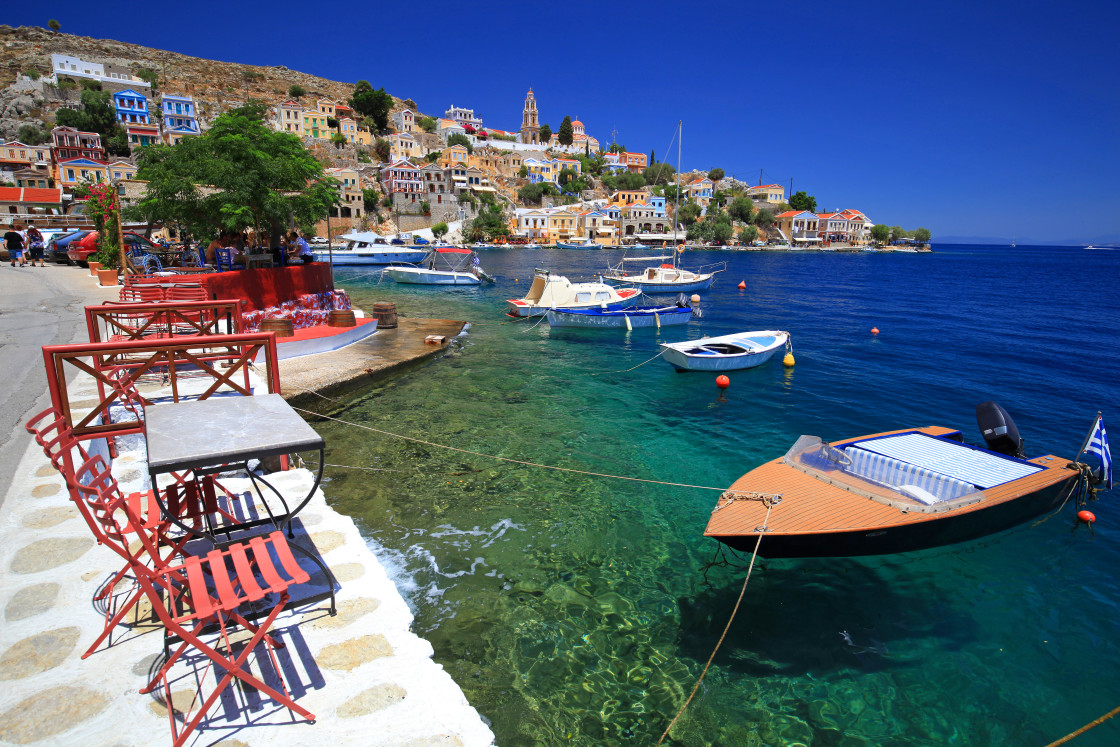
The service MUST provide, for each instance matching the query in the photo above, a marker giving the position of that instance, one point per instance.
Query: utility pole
(760, 177)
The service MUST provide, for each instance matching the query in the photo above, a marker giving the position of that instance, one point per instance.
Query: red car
(79, 251)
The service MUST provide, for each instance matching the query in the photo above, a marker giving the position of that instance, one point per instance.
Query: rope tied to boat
(730, 496)
(769, 501)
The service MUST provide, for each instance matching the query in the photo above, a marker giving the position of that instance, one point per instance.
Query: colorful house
(700, 191)
(628, 196)
(28, 203)
(66, 143)
(562, 225)
(541, 170)
(180, 115)
(315, 125)
(16, 156)
(456, 155)
(402, 146)
(635, 162)
(405, 121)
(326, 107)
(121, 169)
(768, 193)
(289, 118)
(131, 107)
(463, 117)
(75, 171)
(533, 224)
(798, 225)
(142, 135)
(401, 176)
(352, 132)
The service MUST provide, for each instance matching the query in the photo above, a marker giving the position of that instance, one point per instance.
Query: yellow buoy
(788, 360)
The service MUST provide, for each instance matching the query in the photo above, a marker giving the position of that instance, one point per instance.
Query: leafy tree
(763, 219)
(741, 209)
(922, 235)
(546, 133)
(439, 230)
(32, 135)
(489, 224)
(530, 193)
(722, 232)
(660, 173)
(373, 104)
(150, 76)
(802, 201)
(652, 159)
(523, 172)
(332, 123)
(382, 149)
(67, 84)
(433, 156)
(881, 233)
(689, 213)
(370, 198)
(254, 177)
(701, 230)
(898, 232)
(671, 192)
(411, 104)
(54, 25)
(427, 124)
(566, 134)
(719, 199)
(715, 174)
(630, 180)
(460, 139)
(296, 91)
(566, 175)
(748, 234)
(338, 139)
(426, 208)
(90, 85)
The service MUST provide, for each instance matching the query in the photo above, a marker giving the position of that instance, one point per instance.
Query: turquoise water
(579, 609)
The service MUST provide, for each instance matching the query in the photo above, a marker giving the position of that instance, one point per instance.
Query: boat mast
(677, 193)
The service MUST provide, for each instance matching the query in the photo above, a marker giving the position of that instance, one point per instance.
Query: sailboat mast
(677, 192)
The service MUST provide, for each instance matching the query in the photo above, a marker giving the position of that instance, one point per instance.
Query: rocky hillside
(216, 86)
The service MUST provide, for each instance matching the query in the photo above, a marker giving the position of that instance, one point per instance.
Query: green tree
(763, 219)
(719, 198)
(715, 174)
(373, 104)
(382, 149)
(689, 213)
(488, 225)
(748, 234)
(370, 198)
(881, 233)
(338, 139)
(32, 135)
(332, 123)
(741, 209)
(427, 124)
(652, 159)
(722, 232)
(701, 230)
(439, 230)
(31, 73)
(922, 235)
(523, 171)
(54, 25)
(460, 139)
(566, 134)
(672, 191)
(67, 84)
(96, 115)
(149, 76)
(566, 175)
(433, 156)
(546, 133)
(630, 180)
(659, 173)
(802, 201)
(898, 233)
(530, 193)
(296, 91)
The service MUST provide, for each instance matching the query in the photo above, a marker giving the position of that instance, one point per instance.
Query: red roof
(768, 186)
(30, 194)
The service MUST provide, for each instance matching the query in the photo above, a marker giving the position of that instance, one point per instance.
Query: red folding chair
(199, 593)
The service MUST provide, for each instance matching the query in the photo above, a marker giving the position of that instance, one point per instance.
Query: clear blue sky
(983, 119)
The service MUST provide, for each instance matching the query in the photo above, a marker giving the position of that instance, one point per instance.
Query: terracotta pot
(93, 268)
(106, 277)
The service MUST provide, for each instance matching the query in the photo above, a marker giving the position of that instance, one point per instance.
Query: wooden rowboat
(885, 493)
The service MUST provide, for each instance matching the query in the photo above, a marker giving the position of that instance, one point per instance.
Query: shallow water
(580, 609)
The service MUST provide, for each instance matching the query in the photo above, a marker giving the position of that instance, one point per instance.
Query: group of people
(289, 249)
(24, 244)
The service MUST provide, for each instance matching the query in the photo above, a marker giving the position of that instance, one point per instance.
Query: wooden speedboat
(887, 493)
(550, 291)
(726, 352)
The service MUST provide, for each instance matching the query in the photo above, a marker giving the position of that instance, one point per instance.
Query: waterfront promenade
(364, 674)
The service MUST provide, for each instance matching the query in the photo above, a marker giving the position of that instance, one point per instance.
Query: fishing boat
(368, 248)
(893, 492)
(725, 353)
(587, 244)
(483, 246)
(666, 276)
(442, 266)
(550, 291)
(532, 245)
(628, 318)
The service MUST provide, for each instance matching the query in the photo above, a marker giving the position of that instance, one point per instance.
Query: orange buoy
(1086, 516)
(874, 330)
(742, 285)
(722, 381)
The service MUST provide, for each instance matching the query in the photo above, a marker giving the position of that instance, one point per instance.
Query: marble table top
(224, 430)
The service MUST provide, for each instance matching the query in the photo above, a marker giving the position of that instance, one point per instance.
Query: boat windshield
(883, 479)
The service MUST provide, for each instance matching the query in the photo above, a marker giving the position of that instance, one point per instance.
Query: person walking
(14, 240)
(35, 244)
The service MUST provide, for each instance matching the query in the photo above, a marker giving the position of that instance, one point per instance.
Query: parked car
(57, 245)
(397, 242)
(318, 240)
(79, 251)
(420, 240)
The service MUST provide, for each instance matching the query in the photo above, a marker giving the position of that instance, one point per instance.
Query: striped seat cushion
(922, 484)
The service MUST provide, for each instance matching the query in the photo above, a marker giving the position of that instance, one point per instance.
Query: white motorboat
(368, 248)
(443, 266)
(725, 353)
(550, 291)
(585, 244)
(532, 246)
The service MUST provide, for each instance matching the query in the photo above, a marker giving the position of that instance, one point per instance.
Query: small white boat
(443, 266)
(664, 278)
(725, 353)
(532, 246)
(367, 248)
(483, 246)
(550, 291)
(587, 244)
(630, 318)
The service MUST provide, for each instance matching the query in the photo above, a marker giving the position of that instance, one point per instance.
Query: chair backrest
(223, 258)
(102, 502)
(187, 292)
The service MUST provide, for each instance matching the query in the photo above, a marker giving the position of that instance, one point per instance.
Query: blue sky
(994, 119)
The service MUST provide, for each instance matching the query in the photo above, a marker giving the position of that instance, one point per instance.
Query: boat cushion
(920, 483)
(984, 469)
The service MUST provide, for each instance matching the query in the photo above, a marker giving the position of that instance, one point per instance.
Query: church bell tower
(530, 127)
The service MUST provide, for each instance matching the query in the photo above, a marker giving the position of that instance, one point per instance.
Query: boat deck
(810, 506)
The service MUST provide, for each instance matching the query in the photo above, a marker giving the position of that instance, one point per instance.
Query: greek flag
(1097, 443)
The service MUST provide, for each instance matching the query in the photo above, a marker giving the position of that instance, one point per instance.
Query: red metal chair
(199, 593)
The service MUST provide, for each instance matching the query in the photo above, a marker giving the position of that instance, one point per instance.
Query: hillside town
(398, 170)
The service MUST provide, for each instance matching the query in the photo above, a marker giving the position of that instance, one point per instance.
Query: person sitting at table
(218, 243)
(299, 249)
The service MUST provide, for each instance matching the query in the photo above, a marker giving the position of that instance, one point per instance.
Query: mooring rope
(506, 459)
(761, 530)
(627, 370)
(1086, 727)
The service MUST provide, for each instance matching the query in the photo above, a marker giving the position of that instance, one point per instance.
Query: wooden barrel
(338, 318)
(282, 327)
(386, 314)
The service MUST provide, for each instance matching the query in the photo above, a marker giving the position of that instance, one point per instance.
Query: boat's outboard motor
(682, 300)
(999, 429)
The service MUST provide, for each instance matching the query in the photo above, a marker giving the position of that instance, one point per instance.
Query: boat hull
(566, 245)
(344, 258)
(620, 318)
(419, 276)
(656, 287)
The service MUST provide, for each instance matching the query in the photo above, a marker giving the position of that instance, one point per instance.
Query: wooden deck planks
(810, 506)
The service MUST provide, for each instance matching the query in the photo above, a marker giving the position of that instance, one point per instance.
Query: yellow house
(568, 163)
(289, 118)
(122, 170)
(75, 171)
(315, 125)
(352, 132)
(627, 196)
(402, 146)
(562, 225)
(326, 108)
(456, 155)
(768, 193)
